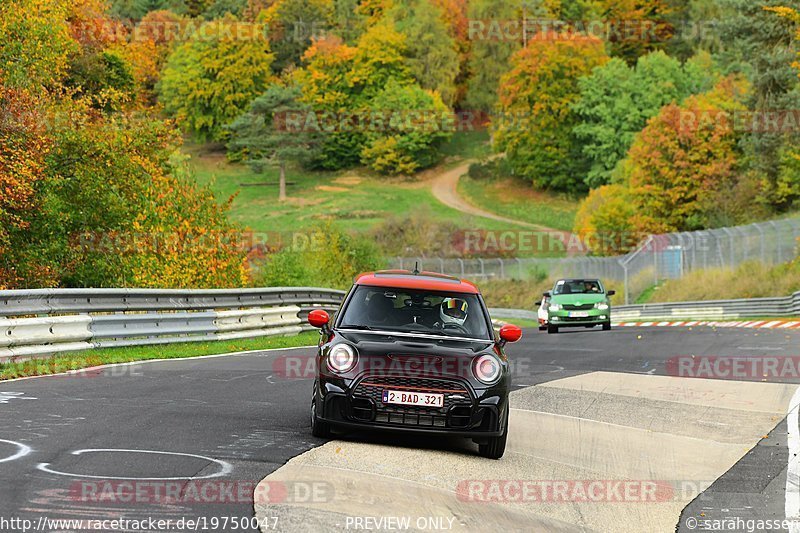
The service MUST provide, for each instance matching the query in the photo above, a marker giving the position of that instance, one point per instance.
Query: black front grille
(575, 319)
(457, 402)
(584, 307)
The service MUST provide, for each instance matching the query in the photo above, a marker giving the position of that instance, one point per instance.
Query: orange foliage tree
(536, 116)
(24, 146)
(685, 157)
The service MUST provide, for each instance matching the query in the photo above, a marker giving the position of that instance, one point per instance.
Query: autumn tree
(348, 22)
(761, 40)
(24, 147)
(326, 88)
(35, 42)
(604, 221)
(636, 27)
(491, 50)
(208, 82)
(152, 40)
(683, 159)
(430, 49)
(412, 124)
(292, 25)
(616, 102)
(137, 9)
(379, 58)
(536, 120)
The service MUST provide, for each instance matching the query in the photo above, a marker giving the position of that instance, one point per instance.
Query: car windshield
(416, 311)
(579, 286)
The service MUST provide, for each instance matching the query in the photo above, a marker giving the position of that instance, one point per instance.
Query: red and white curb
(756, 324)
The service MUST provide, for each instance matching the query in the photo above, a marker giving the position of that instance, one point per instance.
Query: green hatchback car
(578, 302)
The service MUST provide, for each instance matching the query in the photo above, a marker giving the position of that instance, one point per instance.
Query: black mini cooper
(411, 351)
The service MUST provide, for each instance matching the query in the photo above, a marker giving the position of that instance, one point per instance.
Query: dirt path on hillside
(445, 189)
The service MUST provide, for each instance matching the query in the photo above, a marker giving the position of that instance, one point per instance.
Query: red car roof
(404, 279)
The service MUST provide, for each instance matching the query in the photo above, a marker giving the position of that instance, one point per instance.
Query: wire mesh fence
(657, 258)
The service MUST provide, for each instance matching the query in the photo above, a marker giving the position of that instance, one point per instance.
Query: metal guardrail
(785, 306)
(43, 322)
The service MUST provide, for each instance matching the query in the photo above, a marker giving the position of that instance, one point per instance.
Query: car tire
(496, 446)
(552, 329)
(319, 428)
(543, 328)
(607, 326)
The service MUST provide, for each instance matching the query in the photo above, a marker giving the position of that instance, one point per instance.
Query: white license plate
(422, 399)
(579, 314)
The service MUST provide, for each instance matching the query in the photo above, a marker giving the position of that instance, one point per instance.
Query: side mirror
(611, 293)
(547, 294)
(510, 333)
(319, 318)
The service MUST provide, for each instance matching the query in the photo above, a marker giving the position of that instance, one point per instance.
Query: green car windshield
(589, 286)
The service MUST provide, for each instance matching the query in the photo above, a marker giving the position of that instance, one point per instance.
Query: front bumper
(595, 317)
(467, 412)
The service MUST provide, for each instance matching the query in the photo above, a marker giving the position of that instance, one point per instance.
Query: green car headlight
(555, 307)
(601, 306)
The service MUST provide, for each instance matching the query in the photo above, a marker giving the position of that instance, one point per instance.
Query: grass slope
(92, 358)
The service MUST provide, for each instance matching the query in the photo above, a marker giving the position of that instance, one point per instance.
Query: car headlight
(601, 306)
(342, 358)
(555, 307)
(487, 369)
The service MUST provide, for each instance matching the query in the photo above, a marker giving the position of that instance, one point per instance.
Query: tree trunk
(282, 185)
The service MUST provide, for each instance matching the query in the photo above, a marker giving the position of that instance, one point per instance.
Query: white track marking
(6, 397)
(225, 468)
(22, 451)
(792, 507)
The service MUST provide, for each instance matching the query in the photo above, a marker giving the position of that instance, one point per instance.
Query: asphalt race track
(589, 406)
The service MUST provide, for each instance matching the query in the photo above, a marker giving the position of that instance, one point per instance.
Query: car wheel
(542, 328)
(552, 329)
(496, 446)
(319, 428)
(607, 326)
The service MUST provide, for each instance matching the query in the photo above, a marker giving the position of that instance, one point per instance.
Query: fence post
(731, 242)
(777, 240)
(763, 244)
(627, 292)
(655, 260)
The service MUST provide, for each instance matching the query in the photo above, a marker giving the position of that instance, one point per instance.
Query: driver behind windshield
(453, 313)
